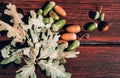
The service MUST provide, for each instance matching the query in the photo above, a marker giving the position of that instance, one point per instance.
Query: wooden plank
(93, 62)
(96, 62)
(78, 12)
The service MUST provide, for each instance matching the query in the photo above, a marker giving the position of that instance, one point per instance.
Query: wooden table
(94, 61)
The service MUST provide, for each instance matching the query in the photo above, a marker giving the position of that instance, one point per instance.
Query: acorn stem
(101, 8)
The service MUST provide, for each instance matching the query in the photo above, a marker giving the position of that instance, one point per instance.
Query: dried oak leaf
(16, 19)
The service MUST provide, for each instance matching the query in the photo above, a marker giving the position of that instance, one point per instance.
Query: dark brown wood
(92, 62)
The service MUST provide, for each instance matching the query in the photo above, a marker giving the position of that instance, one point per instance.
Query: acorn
(94, 15)
(102, 15)
(73, 28)
(104, 26)
(97, 15)
(83, 35)
(73, 45)
(92, 27)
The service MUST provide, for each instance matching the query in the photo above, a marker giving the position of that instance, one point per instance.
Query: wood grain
(92, 62)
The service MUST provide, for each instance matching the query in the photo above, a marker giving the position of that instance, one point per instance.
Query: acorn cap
(104, 26)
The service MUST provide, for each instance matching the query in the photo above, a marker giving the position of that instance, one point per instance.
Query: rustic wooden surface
(93, 62)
